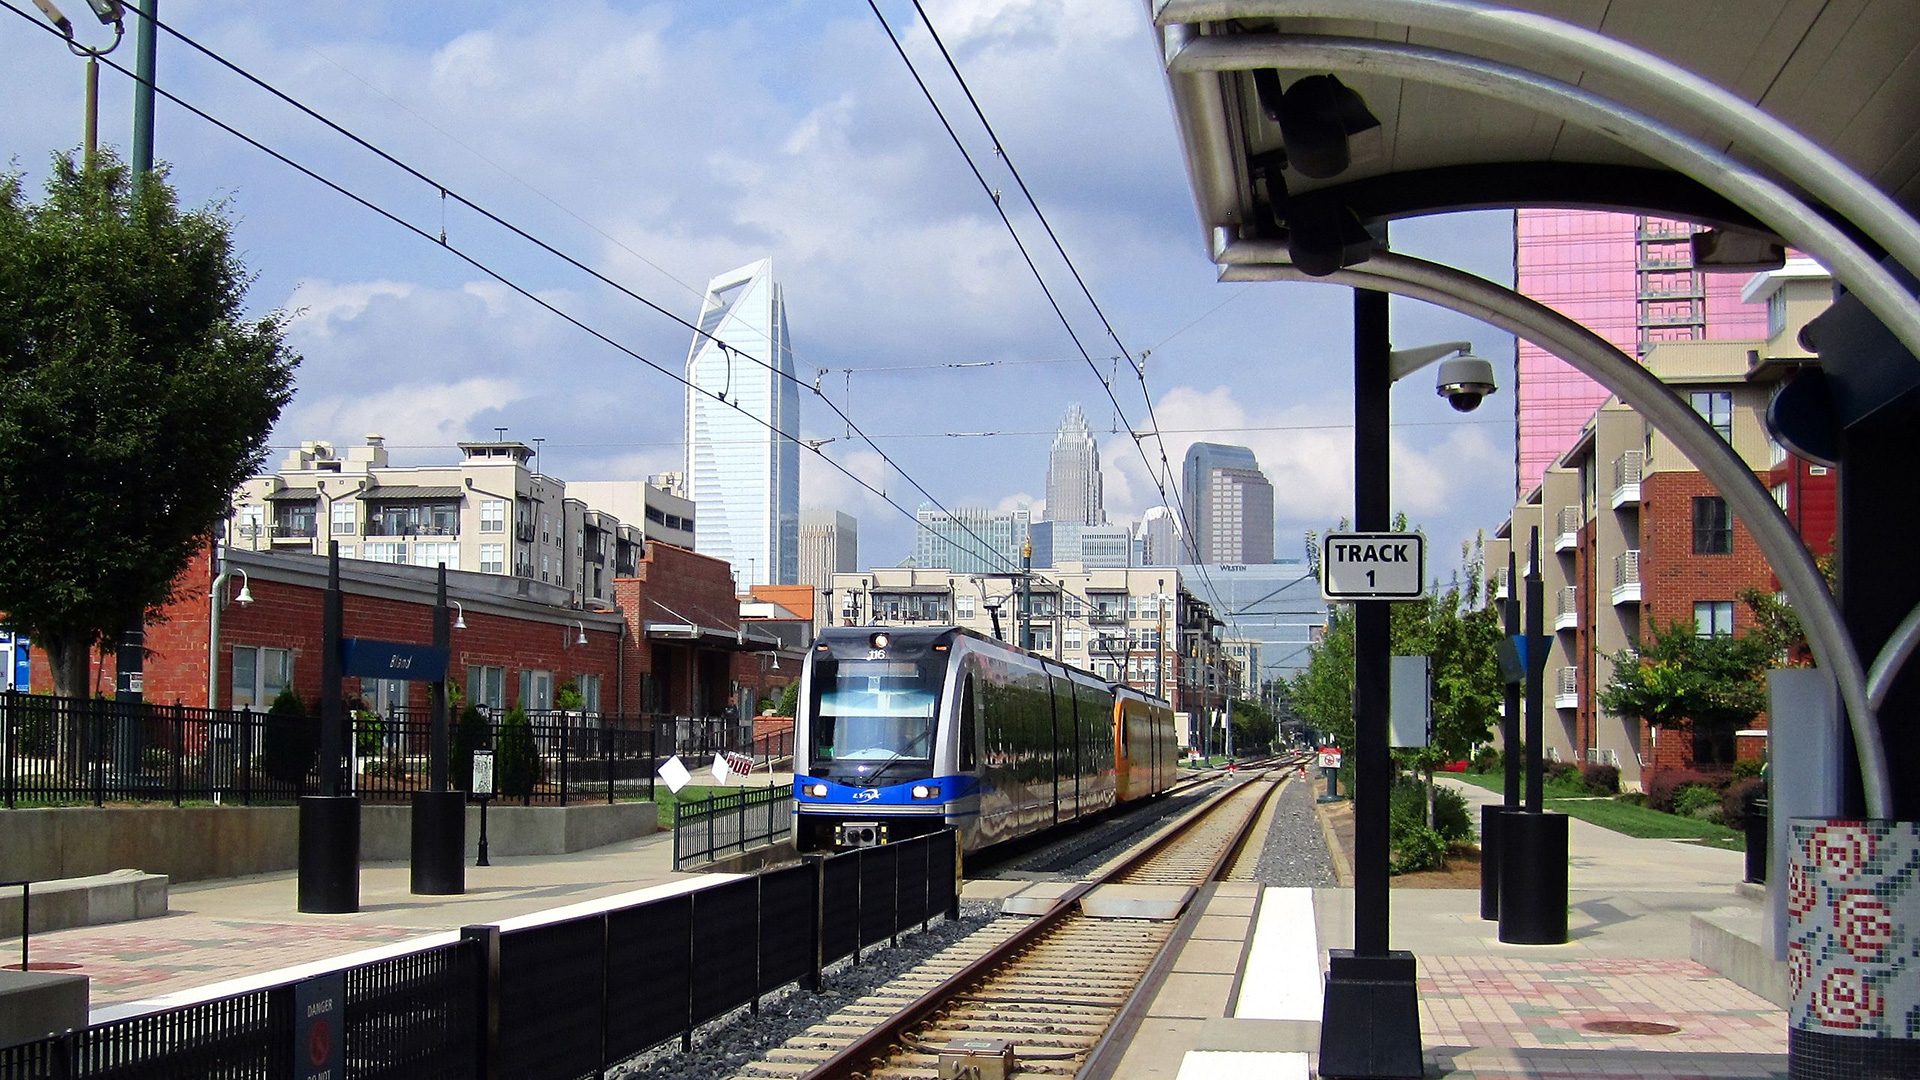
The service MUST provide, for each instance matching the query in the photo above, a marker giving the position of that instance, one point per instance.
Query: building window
(963, 605)
(433, 554)
(252, 520)
(346, 551)
(493, 515)
(259, 675)
(1042, 638)
(487, 686)
(493, 558)
(1713, 618)
(345, 521)
(386, 552)
(546, 566)
(1712, 526)
(1716, 406)
(590, 693)
(546, 529)
(1073, 640)
(1780, 496)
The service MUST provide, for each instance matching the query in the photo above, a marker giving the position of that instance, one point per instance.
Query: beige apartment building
(1634, 538)
(1136, 625)
(491, 513)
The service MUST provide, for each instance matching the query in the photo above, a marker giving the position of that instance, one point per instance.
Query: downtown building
(1229, 505)
(829, 545)
(493, 513)
(1634, 538)
(970, 540)
(1074, 484)
(743, 428)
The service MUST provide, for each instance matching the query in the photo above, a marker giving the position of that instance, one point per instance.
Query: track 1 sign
(1373, 566)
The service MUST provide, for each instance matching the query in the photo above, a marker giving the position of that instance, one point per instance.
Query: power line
(1000, 151)
(448, 193)
(483, 267)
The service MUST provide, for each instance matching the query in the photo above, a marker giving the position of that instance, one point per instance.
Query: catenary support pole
(144, 43)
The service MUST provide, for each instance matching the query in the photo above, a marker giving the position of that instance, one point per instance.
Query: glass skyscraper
(744, 476)
(1229, 505)
(970, 540)
(1073, 473)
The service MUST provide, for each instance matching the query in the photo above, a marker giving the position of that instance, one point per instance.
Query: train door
(1053, 743)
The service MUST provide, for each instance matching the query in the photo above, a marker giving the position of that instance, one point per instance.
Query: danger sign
(1373, 566)
(319, 1015)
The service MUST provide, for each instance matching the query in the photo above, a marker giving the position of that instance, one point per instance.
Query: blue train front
(874, 744)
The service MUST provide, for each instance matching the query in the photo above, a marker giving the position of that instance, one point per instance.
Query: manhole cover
(1630, 1027)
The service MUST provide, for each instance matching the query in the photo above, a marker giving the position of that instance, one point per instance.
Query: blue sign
(370, 659)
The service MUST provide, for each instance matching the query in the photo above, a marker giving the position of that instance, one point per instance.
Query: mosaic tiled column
(1853, 950)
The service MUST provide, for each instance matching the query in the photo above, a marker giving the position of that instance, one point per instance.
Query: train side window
(967, 734)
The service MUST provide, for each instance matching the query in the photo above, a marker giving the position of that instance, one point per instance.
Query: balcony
(1566, 614)
(1566, 689)
(1666, 261)
(1663, 230)
(377, 527)
(1502, 584)
(1626, 577)
(1691, 316)
(523, 531)
(1569, 536)
(293, 530)
(1626, 478)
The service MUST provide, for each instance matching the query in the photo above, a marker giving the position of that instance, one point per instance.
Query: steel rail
(870, 1050)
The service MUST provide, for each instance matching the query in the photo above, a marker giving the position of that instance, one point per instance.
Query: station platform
(1244, 999)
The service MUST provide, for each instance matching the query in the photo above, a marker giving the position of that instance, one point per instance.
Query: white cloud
(415, 413)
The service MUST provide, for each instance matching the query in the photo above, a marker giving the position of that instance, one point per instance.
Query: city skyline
(1074, 484)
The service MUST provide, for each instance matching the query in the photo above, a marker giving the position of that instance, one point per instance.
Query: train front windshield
(873, 720)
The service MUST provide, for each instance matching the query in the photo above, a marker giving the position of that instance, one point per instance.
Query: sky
(665, 143)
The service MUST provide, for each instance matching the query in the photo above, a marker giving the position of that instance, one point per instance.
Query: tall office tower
(1073, 473)
(1229, 505)
(970, 540)
(829, 545)
(743, 476)
(1160, 537)
(1629, 279)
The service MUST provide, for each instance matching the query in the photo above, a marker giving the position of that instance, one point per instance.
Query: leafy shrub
(290, 742)
(1486, 760)
(789, 700)
(517, 760)
(35, 724)
(1451, 818)
(1665, 785)
(367, 731)
(569, 698)
(1749, 768)
(470, 734)
(1562, 772)
(1418, 848)
(1600, 779)
(1736, 803)
(1697, 801)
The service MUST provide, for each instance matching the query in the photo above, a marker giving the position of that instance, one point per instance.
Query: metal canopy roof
(1845, 74)
(409, 492)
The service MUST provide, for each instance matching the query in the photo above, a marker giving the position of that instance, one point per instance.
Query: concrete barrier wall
(198, 843)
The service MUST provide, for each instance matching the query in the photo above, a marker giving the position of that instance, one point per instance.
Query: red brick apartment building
(1634, 538)
(673, 641)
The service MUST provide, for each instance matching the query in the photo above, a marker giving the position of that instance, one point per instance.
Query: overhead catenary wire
(501, 278)
(446, 192)
(1174, 506)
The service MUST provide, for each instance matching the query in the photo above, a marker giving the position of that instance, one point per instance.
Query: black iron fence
(74, 751)
(556, 1001)
(704, 829)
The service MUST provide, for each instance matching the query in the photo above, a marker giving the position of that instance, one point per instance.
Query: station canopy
(1844, 73)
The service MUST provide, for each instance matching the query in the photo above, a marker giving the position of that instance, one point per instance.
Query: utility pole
(1026, 595)
(144, 48)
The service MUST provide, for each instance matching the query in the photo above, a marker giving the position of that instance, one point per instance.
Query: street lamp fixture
(459, 615)
(216, 602)
(582, 639)
(110, 13)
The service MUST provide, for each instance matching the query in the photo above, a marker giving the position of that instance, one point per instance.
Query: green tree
(517, 759)
(137, 397)
(789, 699)
(1711, 686)
(290, 742)
(1455, 626)
(1253, 726)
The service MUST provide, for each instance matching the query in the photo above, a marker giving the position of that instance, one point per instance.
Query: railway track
(1049, 989)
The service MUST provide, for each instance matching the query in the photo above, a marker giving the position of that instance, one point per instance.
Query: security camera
(1465, 381)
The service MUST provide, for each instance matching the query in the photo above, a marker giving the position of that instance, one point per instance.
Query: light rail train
(904, 731)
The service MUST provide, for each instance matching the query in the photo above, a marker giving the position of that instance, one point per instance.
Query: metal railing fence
(550, 1001)
(703, 829)
(80, 751)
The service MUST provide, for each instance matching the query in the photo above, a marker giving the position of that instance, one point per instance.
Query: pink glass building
(1629, 279)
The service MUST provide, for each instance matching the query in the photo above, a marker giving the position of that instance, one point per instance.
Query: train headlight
(879, 641)
(923, 791)
(818, 791)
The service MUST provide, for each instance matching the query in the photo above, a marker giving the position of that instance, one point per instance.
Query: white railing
(1627, 469)
(1567, 689)
(1626, 568)
(1566, 614)
(1570, 522)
